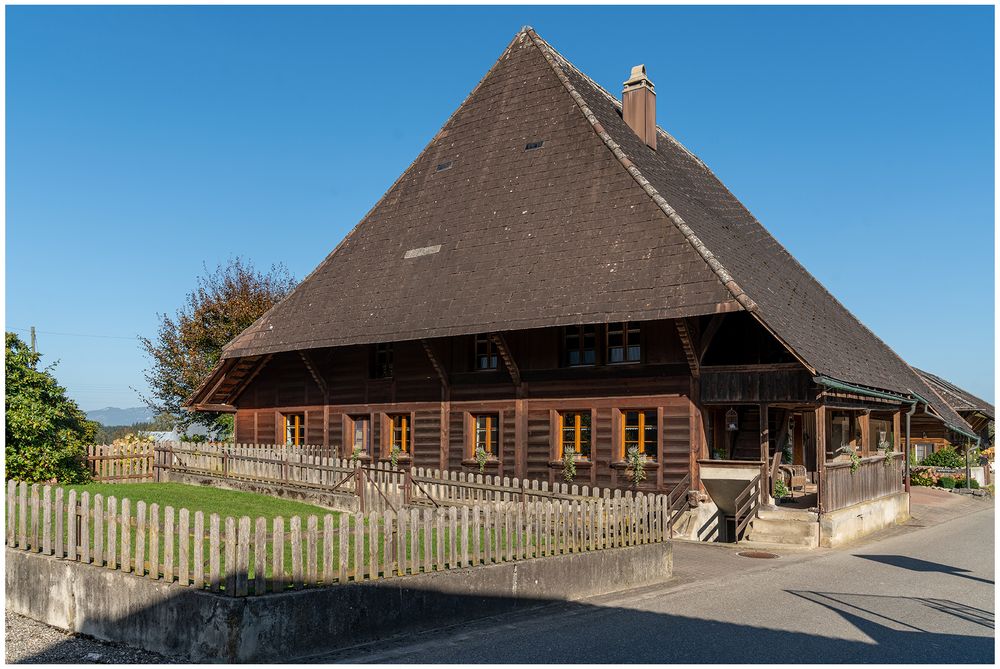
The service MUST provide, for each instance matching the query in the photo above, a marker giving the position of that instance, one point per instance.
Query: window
(485, 433)
(400, 432)
(361, 434)
(295, 429)
(922, 450)
(623, 343)
(840, 432)
(382, 368)
(639, 431)
(881, 433)
(486, 353)
(580, 345)
(575, 432)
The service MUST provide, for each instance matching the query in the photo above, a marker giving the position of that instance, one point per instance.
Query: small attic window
(531, 146)
(444, 166)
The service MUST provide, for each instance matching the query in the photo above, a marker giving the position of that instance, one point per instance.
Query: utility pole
(33, 339)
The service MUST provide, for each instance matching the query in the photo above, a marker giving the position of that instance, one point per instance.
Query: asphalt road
(916, 594)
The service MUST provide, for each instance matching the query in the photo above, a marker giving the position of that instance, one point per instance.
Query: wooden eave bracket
(686, 332)
(505, 355)
(308, 362)
(706, 337)
(238, 390)
(435, 363)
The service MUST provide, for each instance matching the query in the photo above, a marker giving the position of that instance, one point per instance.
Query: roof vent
(444, 166)
(531, 146)
(639, 106)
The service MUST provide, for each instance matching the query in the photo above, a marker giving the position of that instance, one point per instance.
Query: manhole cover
(758, 554)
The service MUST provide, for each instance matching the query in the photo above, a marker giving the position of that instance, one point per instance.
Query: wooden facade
(431, 400)
(434, 384)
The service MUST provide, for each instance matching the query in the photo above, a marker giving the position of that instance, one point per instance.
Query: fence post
(408, 487)
(359, 486)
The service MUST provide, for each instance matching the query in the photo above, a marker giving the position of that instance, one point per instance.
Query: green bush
(973, 484)
(946, 457)
(47, 433)
(921, 477)
(946, 482)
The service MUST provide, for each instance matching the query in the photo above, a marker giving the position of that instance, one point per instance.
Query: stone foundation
(843, 526)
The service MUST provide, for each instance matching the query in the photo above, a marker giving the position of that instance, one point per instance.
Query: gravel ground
(32, 642)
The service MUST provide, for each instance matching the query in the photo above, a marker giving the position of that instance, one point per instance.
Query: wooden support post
(864, 424)
(520, 439)
(821, 437)
(765, 484)
(896, 421)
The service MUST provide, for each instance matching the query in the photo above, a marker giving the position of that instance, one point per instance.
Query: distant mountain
(116, 416)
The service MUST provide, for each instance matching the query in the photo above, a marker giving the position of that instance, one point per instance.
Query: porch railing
(875, 477)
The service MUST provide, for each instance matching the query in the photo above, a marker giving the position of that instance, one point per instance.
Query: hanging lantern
(732, 421)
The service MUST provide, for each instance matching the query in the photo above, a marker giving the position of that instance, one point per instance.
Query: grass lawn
(203, 498)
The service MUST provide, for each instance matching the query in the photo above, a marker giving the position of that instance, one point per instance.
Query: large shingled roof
(481, 235)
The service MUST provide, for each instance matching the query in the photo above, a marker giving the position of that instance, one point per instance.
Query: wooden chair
(795, 477)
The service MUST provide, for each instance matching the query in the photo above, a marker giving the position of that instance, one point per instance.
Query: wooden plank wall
(286, 385)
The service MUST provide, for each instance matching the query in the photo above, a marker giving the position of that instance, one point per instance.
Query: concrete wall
(203, 627)
(845, 525)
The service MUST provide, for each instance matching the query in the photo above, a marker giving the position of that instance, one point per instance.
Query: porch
(799, 460)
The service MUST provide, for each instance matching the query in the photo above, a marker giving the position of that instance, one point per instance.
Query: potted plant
(482, 457)
(849, 451)
(780, 490)
(635, 465)
(569, 465)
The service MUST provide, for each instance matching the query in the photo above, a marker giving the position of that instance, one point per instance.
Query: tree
(223, 304)
(47, 433)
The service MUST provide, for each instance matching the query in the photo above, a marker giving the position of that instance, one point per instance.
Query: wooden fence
(379, 487)
(124, 463)
(241, 556)
(873, 479)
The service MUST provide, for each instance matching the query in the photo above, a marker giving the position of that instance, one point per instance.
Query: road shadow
(916, 564)
(574, 632)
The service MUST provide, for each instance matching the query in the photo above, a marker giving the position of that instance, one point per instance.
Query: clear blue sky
(145, 142)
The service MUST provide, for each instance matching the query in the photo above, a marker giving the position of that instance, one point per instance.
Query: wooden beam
(508, 359)
(765, 484)
(218, 408)
(315, 374)
(708, 335)
(687, 334)
(236, 392)
(227, 365)
(435, 363)
(821, 435)
(864, 424)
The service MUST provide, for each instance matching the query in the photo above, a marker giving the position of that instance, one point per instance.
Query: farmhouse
(557, 274)
(930, 435)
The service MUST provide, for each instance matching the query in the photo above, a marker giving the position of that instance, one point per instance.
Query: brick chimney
(639, 106)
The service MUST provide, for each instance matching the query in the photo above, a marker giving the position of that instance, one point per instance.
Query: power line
(74, 334)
